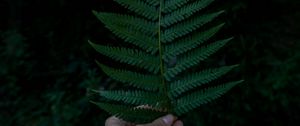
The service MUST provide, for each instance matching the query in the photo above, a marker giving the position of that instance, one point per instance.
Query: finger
(114, 121)
(162, 121)
(178, 123)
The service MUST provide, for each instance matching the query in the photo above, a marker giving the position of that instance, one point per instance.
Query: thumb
(162, 121)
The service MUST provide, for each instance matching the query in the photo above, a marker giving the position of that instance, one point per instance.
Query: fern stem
(164, 88)
(160, 49)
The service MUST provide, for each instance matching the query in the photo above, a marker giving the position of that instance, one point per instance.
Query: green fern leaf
(189, 43)
(129, 113)
(183, 12)
(129, 22)
(135, 37)
(162, 41)
(130, 56)
(152, 2)
(197, 79)
(134, 97)
(188, 26)
(112, 108)
(147, 82)
(140, 7)
(194, 57)
(171, 5)
(141, 116)
(194, 100)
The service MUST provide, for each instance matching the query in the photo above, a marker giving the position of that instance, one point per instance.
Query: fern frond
(129, 113)
(185, 27)
(152, 2)
(113, 108)
(141, 116)
(194, 100)
(193, 80)
(144, 41)
(129, 22)
(171, 5)
(140, 7)
(130, 56)
(142, 81)
(190, 42)
(134, 97)
(163, 41)
(184, 12)
(194, 57)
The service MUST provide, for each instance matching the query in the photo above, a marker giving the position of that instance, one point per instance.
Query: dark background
(47, 65)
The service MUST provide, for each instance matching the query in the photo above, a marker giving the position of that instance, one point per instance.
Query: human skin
(168, 120)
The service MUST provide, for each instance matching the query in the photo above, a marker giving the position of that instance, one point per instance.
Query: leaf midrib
(163, 89)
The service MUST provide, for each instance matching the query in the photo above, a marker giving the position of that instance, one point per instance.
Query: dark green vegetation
(167, 39)
(47, 64)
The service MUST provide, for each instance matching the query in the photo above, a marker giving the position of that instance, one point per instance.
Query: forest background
(47, 65)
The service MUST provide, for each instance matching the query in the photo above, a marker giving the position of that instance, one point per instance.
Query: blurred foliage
(46, 64)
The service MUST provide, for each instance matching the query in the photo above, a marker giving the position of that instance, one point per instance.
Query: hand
(168, 120)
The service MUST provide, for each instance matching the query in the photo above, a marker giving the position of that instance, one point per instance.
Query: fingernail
(168, 119)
